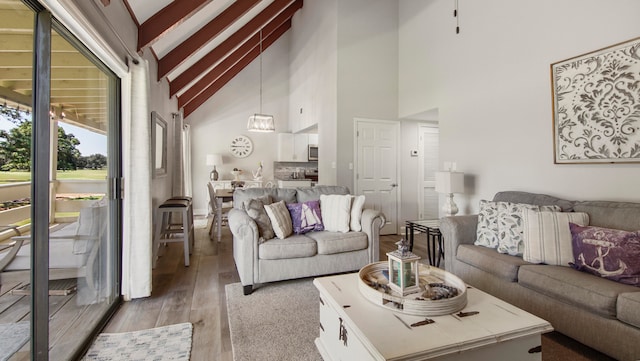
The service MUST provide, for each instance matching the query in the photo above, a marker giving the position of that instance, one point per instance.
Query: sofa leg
(248, 289)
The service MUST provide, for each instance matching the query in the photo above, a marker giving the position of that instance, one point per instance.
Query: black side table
(431, 227)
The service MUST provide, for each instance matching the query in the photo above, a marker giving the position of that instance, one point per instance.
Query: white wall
(491, 86)
(225, 115)
(159, 101)
(313, 78)
(367, 72)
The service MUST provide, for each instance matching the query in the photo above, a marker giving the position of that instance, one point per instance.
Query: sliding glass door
(59, 156)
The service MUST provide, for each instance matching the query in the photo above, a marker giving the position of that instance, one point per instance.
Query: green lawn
(88, 174)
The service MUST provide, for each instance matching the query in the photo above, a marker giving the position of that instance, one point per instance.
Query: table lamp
(214, 160)
(450, 183)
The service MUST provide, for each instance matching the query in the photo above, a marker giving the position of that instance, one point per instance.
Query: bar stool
(166, 228)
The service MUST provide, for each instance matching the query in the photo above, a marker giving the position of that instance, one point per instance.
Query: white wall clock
(241, 146)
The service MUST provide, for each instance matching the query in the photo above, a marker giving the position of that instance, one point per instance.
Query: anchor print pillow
(610, 253)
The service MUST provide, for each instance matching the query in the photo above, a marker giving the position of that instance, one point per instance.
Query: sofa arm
(455, 231)
(245, 245)
(372, 221)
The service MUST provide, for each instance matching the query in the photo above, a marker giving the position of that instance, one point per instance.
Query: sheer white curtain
(137, 220)
(186, 159)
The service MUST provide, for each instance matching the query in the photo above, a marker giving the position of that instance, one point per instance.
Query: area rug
(12, 337)
(278, 321)
(171, 342)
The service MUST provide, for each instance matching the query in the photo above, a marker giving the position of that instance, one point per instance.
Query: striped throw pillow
(280, 219)
(547, 238)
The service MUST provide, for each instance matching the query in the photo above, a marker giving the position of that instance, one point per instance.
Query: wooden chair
(213, 211)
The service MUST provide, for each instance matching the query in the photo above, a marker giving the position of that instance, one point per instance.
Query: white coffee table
(353, 328)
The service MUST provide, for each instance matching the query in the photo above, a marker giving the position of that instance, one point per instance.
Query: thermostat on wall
(414, 153)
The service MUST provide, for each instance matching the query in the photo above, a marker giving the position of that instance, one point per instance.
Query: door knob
(393, 185)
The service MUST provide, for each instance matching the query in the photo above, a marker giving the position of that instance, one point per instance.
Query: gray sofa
(297, 256)
(597, 312)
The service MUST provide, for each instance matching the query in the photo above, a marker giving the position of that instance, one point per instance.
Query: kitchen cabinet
(293, 147)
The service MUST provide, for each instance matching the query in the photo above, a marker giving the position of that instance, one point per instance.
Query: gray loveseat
(600, 313)
(299, 255)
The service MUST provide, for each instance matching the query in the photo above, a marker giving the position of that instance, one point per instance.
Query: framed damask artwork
(596, 106)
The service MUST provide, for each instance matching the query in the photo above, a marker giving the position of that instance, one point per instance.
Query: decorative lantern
(403, 270)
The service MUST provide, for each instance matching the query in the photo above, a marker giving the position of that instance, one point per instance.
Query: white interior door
(377, 168)
(428, 166)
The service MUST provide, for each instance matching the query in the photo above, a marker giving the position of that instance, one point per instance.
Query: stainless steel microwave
(313, 152)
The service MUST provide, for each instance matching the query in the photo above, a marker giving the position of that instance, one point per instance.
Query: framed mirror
(158, 144)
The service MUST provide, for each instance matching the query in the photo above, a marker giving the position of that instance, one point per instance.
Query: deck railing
(65, 209)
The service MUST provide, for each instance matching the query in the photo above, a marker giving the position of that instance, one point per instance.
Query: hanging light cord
(455, 15)
(260, 71)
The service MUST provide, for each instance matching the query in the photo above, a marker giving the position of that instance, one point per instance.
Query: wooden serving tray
(371, 283)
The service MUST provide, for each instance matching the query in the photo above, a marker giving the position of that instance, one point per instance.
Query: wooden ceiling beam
(250, 45)
(274, 10)
(196, 41)
(213, 88)
(166, 19)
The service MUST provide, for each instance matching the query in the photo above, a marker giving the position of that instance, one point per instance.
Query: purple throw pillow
(610, 253)
(306, 217)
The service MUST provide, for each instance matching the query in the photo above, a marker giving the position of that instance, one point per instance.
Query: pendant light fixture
(261, 122)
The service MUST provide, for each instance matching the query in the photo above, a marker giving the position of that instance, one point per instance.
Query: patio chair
(74, 250)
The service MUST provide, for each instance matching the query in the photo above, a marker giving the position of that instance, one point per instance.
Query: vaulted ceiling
(202, 44)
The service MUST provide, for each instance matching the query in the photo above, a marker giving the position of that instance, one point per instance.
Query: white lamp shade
(214, 159)
(449, 182)
(261, 123)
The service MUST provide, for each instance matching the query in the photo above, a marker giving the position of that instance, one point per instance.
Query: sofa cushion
(357, 203)
(255, 209)
(580, 289)
(280, 219)
(305, 194)
(488, 260)
(547, 238)
(277, 194)
(295, 246)
(617, 215)
(510, 229)
(606, 252)
(336, 212)
(629, 308)
(305, 217)
(338, 242)
(487, 229)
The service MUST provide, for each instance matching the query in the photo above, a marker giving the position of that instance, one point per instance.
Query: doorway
(428, 146)
(377, 168)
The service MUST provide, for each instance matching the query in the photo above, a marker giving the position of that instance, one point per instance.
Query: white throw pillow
(336, 212)
(356, 213)
(280, 219)
(510, 225)
(547, 238)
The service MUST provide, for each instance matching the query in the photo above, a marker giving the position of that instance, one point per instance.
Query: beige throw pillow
(280, 219)
(547, 238)
(336, 212)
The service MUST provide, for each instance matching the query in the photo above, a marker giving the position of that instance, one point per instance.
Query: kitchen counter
(294, 183)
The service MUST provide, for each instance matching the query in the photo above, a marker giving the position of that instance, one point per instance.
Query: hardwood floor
(194, 294)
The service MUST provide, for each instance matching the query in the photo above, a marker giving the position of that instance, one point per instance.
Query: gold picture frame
(596, 106)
